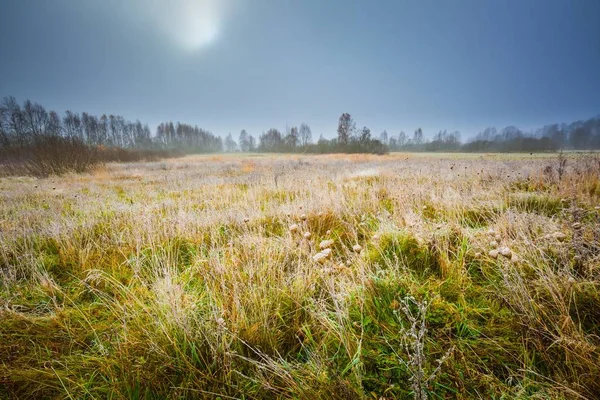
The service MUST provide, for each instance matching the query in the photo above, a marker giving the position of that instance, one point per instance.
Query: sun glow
(191, 24)
(200, 23)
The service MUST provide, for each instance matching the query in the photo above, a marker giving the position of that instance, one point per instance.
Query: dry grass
(183, 279)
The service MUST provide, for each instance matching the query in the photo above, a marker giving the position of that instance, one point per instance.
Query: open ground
(306, 277)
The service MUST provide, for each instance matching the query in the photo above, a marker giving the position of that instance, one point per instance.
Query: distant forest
(22, 126)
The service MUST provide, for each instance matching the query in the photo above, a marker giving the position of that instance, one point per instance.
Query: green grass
(180, 287)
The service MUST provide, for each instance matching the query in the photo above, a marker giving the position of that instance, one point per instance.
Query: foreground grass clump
(404, 250)
(534, 203)
(351, 277)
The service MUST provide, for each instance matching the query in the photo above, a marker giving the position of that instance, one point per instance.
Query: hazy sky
(232, 64)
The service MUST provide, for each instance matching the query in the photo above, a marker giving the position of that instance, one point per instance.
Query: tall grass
(197, 278)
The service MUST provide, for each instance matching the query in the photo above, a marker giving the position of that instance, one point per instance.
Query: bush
(48, 155)
(56, 155)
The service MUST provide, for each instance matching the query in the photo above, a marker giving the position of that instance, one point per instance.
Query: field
(304, 277)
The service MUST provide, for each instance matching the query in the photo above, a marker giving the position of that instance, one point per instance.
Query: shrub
(55, 155)
(48, 155)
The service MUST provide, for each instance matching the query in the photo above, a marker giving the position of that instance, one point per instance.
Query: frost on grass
(205, 277)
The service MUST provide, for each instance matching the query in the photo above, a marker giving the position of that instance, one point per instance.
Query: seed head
(560, 236)
(322, 256)
(505, 251)
(325, 244)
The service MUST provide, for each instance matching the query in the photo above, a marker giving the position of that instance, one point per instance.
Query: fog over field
(267, 199)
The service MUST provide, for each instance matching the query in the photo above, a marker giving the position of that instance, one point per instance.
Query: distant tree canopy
(188, 139)
(349, 140)
(579, 135)
(346, 129)
(22, 124)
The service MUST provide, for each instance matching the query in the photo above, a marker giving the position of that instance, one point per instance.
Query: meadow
(402, 276)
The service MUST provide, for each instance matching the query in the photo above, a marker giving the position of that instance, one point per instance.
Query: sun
(199, 33)
(190, 24)
(199, 23)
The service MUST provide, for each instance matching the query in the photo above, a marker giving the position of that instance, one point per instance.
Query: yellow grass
(182, 278)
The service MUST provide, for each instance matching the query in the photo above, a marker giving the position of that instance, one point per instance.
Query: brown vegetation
(308, 277)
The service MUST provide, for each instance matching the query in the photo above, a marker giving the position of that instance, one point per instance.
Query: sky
(228, 65)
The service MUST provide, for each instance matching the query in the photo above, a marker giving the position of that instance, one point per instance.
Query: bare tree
(383, 137)
(305, 135)
(35, 118)
(365, 135)
(418, 137)
(53, 128)
(243, 141)
(346, 128)
(292, 138)
(103, 130)
(230, 144)
(271, 140)
(401, 138)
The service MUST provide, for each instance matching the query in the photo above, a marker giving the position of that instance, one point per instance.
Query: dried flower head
(559, 236)
(322, 256)
(325, 244)
(505, 251)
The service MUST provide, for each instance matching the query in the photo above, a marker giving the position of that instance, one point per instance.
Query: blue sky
(232, 64)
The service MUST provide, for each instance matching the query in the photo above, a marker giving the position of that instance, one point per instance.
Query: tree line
(21, 125)
(26, 124)
(579, 135)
